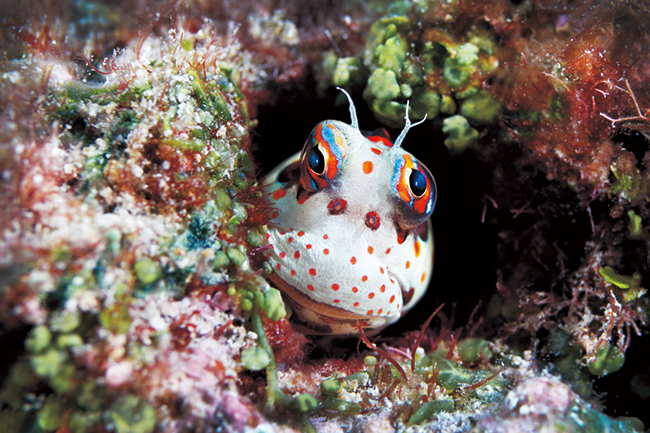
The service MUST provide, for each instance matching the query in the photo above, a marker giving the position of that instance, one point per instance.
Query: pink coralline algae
(544, 404)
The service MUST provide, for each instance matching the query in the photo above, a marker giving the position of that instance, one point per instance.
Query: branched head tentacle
(407, 126)
(353, 111)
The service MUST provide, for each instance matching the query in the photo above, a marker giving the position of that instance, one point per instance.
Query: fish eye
(417, 183)
(321, 156)
(414, 189)
(316, 160)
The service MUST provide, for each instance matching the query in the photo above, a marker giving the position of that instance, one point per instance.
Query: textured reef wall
(132, 289)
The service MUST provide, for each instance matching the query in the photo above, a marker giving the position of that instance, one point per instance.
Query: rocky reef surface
(132, 289)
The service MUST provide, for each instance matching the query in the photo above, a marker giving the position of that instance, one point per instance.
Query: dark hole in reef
(12, 341)
(526, 33)
(633, 141)
(80, 129)
(623, 386)
(634, 251)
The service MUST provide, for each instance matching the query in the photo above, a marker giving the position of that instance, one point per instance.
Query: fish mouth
(316, 318)
(326, 311)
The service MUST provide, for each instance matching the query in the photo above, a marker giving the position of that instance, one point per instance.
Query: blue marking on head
(327, 132)
(400, 161)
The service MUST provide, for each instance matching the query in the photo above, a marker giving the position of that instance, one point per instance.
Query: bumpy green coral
(447, 105)
(409, 55)
(390, 113)
(425, 102)
(50, 363)
(116, 318)
(51, 414)
(467, 54)
(348, 71)
(461, 134)
(383, 84)
(481, 108)
(392, 53)
(370, 361)
(455, 74)
(39, 339)
(236, 256)
(254, 238)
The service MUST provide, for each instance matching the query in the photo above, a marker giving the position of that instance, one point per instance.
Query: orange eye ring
(321, 157)
(414, 185)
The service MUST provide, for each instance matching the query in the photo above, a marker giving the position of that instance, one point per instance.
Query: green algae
(254, 238)
(370, 361)
(392, 53)
(130, 414)
(428, 409)
(221, 260)
(50, 415)
(49, 363)
(631, 187)
(607, 359)
(68, 341)
(255, 358)
(455, 74)
(382, 84)
(467, 54)
(558, 107)
(330, 386)
(447, 105)
(474, 349)
(461, 134)
(236, 256)
(391, 113)
(147, 271)
(347, 72)
(39, 339)
(116, 318)
(425, 102)
(635, 225)
(621, 281)
(406, 59)
(451, 375)
(273, 305)
(306, 403)
(481, 108)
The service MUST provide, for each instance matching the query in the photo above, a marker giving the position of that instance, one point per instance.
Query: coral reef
(126, 228)
(132, 290)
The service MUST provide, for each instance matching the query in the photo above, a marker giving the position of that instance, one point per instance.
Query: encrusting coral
(133, 226)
